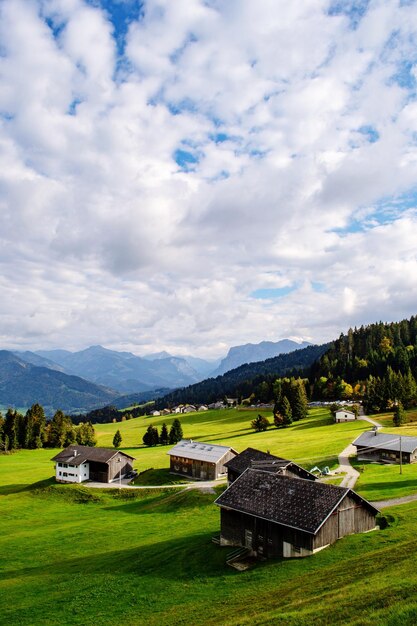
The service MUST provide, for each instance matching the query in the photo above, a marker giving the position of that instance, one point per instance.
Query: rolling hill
(22, 384)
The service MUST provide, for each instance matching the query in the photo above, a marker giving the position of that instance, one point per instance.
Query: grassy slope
(70, 555)
(309, 442)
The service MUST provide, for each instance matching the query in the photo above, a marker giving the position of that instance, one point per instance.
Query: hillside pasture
(314, 441)
(90, 557)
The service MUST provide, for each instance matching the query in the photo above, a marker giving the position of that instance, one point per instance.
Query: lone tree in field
(260, 423)
(286, 411)
(175, 434)
(117, 439)
(399, 415)
(164, 436)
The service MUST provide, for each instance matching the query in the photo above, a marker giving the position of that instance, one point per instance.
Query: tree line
(153, 438)
(32, 430)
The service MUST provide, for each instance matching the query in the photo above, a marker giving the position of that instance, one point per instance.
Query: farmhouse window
(65, 474)
(59, 464)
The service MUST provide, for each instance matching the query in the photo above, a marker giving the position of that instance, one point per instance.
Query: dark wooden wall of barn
(125, 465)
(266, 537)
(350, 517)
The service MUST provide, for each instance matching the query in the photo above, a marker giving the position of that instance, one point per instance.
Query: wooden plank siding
(274, 540)
(201, 470)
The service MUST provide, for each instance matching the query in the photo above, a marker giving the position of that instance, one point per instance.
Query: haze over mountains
(250, 353)
(23, 384)
(90, 378)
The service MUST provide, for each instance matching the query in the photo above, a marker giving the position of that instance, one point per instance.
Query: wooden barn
(263, 460)
(385, 448)
(195, 459)
(277, 516)
(77, 463)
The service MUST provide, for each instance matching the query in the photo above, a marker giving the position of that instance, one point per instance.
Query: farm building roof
(251, 457)
(199, 451)
(294, 502)
(384, 441)
(76, 455)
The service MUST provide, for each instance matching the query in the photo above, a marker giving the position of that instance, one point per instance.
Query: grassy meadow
(313, 441)
(70, 555)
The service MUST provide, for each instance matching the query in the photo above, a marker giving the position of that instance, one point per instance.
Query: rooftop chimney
(75, 452)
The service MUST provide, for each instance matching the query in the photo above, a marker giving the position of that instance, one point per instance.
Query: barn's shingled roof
(251, 456)
(75, 455)
(294, 502)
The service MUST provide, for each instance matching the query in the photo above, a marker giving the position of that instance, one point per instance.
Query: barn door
(248, 539)
(346, 525)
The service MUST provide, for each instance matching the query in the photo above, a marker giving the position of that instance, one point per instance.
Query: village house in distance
(77, 463)
(385, 448)
(344, 415)
(277, 516)
(195, 459)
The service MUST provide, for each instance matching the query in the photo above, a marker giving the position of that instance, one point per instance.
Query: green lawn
(313, 441)
(70, 555)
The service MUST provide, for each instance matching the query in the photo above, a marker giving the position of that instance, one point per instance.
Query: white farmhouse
(342, 415)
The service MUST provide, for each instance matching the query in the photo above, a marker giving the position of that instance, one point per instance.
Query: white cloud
(105, 238)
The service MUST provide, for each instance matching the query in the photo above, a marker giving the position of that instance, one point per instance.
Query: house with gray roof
(273, 515)
(77, 464)
(251, 457)
(385, 448)
(195, 459)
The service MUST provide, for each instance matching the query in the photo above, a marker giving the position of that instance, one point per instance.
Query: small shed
(251, 457)
(277, 516)
(196, 459)
(385, 448)
(344, 415)
(77, 463)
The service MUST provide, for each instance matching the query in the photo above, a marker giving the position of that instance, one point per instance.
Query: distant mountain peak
(253, 352)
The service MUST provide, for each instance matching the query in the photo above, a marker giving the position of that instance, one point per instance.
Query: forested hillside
(245, 380)
(377, 363)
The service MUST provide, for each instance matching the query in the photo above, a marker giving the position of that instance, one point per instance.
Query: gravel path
(382, 504)
(352, 475)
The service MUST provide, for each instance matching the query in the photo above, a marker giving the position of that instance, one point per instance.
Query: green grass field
(313, 441)
(73, 555)
(70, 555)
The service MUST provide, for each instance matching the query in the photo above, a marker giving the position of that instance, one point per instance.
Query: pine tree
(399, 417)
(117, 439)
(58, 428)
(35, 423)
(286, 411)
(298, 402)
(164, 436)
(151, 437)
(10, 429)
(175, 433)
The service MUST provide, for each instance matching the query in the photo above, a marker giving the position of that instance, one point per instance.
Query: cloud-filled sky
(194, 174)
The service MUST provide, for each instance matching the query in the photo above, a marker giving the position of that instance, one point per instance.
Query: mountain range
(90, 378)
(23, 384)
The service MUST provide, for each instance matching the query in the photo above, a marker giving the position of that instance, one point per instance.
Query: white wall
(73, 474)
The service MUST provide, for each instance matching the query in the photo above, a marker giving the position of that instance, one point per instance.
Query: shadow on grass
(181, 559)
(165, 501)
(7, 490)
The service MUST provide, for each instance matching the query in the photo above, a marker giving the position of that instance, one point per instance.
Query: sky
(190, 175)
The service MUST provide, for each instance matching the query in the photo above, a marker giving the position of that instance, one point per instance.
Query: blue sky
(191, 175)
